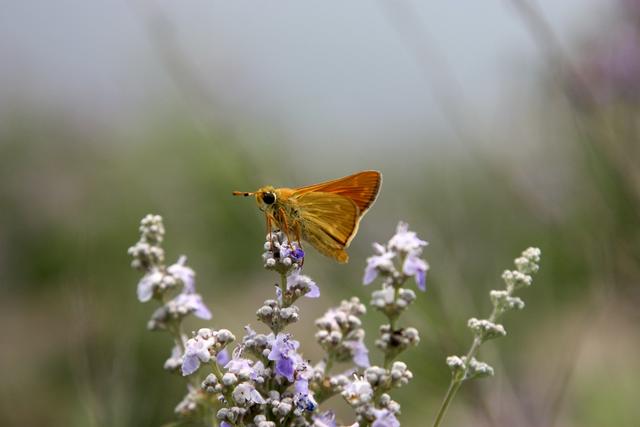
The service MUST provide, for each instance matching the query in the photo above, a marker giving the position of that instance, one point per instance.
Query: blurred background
(497, 125)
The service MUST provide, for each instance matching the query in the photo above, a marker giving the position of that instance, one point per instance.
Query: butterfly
(326, 215)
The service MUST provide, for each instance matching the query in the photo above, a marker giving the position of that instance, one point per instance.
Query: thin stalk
(283, 288)
(457, 380)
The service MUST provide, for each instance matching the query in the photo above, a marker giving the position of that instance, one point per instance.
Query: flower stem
(451, 392)
(457, 380)
(283, 288)
(218, 373)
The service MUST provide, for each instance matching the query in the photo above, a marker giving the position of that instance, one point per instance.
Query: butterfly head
(266, 197)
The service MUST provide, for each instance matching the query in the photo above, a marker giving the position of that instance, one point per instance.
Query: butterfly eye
(269, 198)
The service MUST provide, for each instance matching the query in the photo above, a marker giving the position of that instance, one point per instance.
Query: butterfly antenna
(243, 193)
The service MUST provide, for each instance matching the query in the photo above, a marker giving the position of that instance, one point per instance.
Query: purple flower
(237, 364)
(405, 241)
(243, 368)
(196, 352)
(283, 352)
(385, 418)
(297, 280)
(297, 254)
(359, 353)
(377, 263)
(292, 251)
(147, 284)
(186, 275)
(416, 267)
(222, 358)
(246, 394)
(326, 419)
(192, 303)
(285, 250)
(303, 398)
(358, 391)
(225, 424)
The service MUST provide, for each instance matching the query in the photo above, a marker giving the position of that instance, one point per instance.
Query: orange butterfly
(326, 215)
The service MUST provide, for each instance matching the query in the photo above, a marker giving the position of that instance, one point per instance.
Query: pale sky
(316, 70)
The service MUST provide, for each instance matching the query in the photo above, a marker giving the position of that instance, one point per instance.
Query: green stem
(451, 392)
(457, 380)
(176, 331)
(218, 373)
(329, 364)
(283, 288)
(393, 319)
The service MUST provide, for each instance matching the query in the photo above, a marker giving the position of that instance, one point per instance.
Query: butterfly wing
(329, 222)
(361, 187)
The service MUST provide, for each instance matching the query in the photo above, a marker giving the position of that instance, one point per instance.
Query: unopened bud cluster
(395, 341)
(392, 301)
(147, 252)
(341, 335)
(467, 367)
(276, 317)
(465, 371)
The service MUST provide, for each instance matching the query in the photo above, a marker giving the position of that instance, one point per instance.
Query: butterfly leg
(268, 219)
(284, 224)
(298, 233)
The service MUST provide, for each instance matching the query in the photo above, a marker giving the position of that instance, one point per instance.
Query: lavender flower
(301, 284)
(245, 394)
(382, 262)
(358, 392)
(196, 352)
(283, 352)
(154, 284)
(185, 274)
(176, 309)
(303, 397)
(325, 419)
(407, 248)
(405, 241)
(384, 418)
(174, 362)
(359, 353)
(222, 358)
(416, 267)
(203, 347)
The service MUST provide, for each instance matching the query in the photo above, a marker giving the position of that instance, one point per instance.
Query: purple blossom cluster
(404, 246)
(174, 286)
(265, 381)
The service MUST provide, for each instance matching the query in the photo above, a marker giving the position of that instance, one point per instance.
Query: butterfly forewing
(361, 187)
